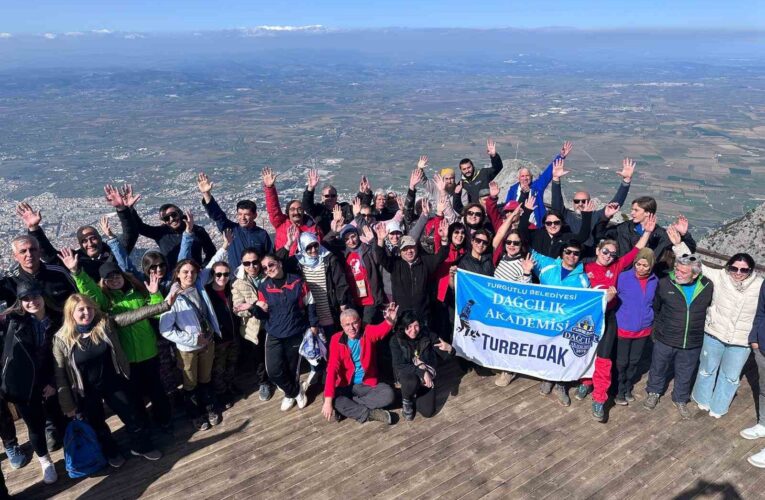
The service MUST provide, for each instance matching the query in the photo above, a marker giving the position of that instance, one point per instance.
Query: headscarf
(305, 260)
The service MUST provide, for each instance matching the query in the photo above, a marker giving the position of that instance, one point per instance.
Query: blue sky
(36, 16)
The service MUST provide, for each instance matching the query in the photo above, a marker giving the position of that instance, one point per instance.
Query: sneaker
(758, 459)
(621, 400)
(651, 401)
(715, 415)
(302, 400)
(682, 408)
(407, 409)
(503, 379)
(149, 455)
(562, 393)
(702, 407)
(598, 413)
(201, 423)
(379, 415)
(545, 388)
(582, 391)
(213, 417)
(16, 456)
(629, 397)
(287, 403)
(116, 461)
(52, 441)
(49, 472)
(755, 432)
(265, 392)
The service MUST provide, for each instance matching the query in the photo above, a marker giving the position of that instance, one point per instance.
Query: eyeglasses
(549, 223)
(296, 210)
(250, 263)
(607, 252)
(473, 213)
(513, 243)
(739, 270)
(481, 241)
(365, 215)
(313, 247)
(171, 216)
(330, 195)
(575, 253)
(271, 265)
(582, 201)
(222, 275)
(157, 267)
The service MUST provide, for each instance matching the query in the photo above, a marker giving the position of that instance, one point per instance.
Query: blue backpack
(82, 453)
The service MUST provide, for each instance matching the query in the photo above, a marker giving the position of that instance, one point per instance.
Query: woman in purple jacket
(636, 288)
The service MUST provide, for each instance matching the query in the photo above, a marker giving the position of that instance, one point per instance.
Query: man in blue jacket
(527, 185)
(247, 234)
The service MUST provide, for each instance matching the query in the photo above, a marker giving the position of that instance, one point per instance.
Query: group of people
(362, 290)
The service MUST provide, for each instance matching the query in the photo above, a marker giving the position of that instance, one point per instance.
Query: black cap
(108, 268)
(28, 289)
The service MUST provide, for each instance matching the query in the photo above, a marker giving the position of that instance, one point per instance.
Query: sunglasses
(222, 275)
(607, 252)
(250, 263)
(549, 223)
(157, 267)
(481, 241)
(739, 270)
(686, 259)
(271, 265)
(581, 201)
(312, 247)
(474, 213)
(171, 216)
(366, 215)
(513, 243)
(331, 195)
(575, 253)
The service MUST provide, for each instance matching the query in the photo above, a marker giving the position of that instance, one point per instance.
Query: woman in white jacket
(729, 320)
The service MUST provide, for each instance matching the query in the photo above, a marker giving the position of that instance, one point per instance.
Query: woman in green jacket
(118, 292)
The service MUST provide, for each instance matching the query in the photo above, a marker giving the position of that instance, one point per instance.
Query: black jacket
(539, 240)
(368, 256)
(409, 281)
(228, 321)
(26, 366)
(90, 265)
(168, 239)
(480, 180)
(337, 285)
(626, 237)
(56, 283)
(483, 266)
(403, 349)
(321, 214)
(675, 324)
(758, 327)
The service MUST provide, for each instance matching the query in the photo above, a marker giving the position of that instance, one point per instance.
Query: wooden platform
(485, 442)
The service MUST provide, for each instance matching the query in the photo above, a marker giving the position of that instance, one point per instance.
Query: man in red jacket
(352, 389)
(295, 215)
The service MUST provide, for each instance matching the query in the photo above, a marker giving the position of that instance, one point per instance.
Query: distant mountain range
(745, 234)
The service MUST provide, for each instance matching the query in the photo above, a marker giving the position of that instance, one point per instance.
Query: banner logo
(581, 336)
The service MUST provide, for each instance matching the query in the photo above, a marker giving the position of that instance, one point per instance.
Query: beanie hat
(348, 228)
(446, 171)
(82, 230)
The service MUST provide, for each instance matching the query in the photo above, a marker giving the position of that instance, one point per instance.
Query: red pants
(601, 379)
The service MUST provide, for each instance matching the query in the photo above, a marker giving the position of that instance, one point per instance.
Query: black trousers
(628, 354)
(7, 427)
(144, 383)
(40, 414)
(424, 398)
(116, 394)
(442, 317)
(282, 357)
(664, 359)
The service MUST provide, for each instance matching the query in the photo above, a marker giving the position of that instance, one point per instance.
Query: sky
(60, 16)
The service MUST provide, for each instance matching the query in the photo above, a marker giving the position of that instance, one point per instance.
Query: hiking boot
(213, 417)
(201, 423)
(301, 400)
(562, 393)
(683, 410)
(380, 415)
(651, 401)
(629, 397)
(407, 409)
(582, 391)
(621, 400)
(503, 379)
(287, 403)
(598, 413)
(545, 388)
(48, 472)
(148, 455)
(116, 461)
(265, 392)
(755, 432)
(16, 456)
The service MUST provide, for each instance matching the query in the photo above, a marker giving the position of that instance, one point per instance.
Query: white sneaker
(758, 459)
(287, 403)
(49, 473)
(754, 432)
(715, 415)
(302, 400)
(702, 407)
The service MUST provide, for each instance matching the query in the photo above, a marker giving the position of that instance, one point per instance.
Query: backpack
(82, 453)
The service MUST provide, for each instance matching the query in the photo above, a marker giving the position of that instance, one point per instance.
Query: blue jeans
(726, 359)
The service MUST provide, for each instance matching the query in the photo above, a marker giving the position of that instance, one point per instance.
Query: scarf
(305, 260)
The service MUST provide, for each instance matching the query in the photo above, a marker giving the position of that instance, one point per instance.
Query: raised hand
(443, 345)
(364, 185)
(152, 286)
(356, 206)
(312, 180)
(528, 264)
(443, 230)
(441, 205)
(681, 224)
(439, 182)
(31, 218)
(268, 176)
(425, 206)
(628, 168)
(649, 223)
(113, 197)
(566, 149)
(173, 293)
(203, 183)
(674, 235)
(422, 163)
(381, 231)
(610, 210)
(189, 221)
(391, 313)
(589, 206)
(400, 202)
(493, 189)
(70, 259)
(491, 147)
(559, 169)
(415, 178)
(366, 236)
(228, 237)
(293, 233)
(531, 203)
(106, 229)
(514, 215)
(458, 188)
(129, 199)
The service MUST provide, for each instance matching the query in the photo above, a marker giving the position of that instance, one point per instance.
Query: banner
(548, 332)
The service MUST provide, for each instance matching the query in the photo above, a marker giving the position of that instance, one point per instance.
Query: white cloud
(134, 36)
(50, 36)
(5, 35)
(74, 33)
(103, 31)
(312, 27)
